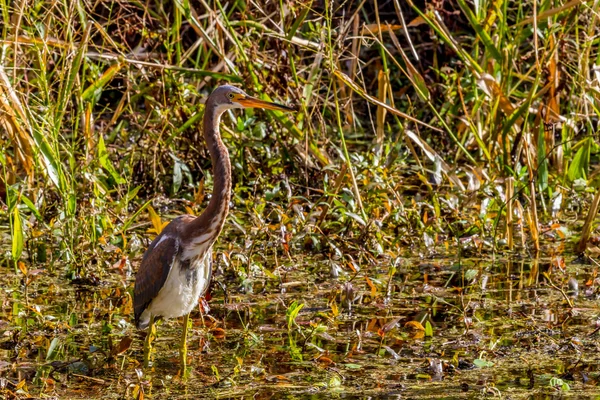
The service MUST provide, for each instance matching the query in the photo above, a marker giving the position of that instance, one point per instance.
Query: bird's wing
(153, 272)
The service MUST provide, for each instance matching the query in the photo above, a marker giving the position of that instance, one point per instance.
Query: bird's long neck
(204, 230)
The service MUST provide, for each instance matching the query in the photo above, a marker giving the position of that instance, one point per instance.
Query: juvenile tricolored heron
(176, 268)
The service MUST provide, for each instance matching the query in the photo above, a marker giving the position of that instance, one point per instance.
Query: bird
(176, 269)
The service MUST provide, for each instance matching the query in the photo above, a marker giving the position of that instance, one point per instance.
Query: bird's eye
(230, 95)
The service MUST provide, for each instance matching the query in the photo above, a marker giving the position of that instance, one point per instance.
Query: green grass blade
(95, 89)
(104, 159)
(481, 33)
(67, 89)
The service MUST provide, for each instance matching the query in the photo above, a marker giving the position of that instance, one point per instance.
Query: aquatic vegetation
(425, 226)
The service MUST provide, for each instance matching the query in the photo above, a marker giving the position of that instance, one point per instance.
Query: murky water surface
(305, 325)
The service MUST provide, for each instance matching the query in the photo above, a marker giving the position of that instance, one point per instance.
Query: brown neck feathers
(205, 229)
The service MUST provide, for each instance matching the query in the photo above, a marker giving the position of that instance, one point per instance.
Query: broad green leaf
(180, 169)
(52, 349)
(50, 161)
(17, 235)
(335, 381)
(72, 204)
(428, 329)
(470, 274)
(581, 162)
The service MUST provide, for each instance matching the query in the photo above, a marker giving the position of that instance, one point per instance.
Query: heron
(176, 268)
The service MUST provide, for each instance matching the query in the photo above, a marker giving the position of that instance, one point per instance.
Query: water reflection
(452, 327)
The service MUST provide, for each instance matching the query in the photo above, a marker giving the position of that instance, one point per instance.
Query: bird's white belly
(182, 289)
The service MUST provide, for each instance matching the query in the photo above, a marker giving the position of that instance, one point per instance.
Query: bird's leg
(183, 348)
(148, 342)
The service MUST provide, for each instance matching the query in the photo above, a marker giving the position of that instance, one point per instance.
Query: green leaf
(356, 217)
(66, 89)
(428, 329)
(481, 363)
(292, 313)
(215, 371)
(581, 162)
(294, 351)
(17, 235)
(271, 194)
(50, 161)
(335, 381)
(177, 176)
(470, 274)
(481, 33)
(132, 194)
(32, 208)
(557, 382)
(72, 204)
(299, 20)
(52, 349)
(95, 89)
(129, 221)
(105, 161)
(542, 160)
(180, 169)
(12, 199)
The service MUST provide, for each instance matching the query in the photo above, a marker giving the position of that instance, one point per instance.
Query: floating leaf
(123, 346)
(415, 324)
(22, 267)
(481, 363)
(389, 326)
(371, 286)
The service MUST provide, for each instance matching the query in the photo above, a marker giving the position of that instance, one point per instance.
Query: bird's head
(227, 97)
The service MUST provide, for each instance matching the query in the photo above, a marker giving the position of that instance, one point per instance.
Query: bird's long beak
(253, 102)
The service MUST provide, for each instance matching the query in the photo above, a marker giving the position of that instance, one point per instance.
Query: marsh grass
(451, 127)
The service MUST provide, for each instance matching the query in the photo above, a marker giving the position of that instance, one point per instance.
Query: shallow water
(440, 327)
